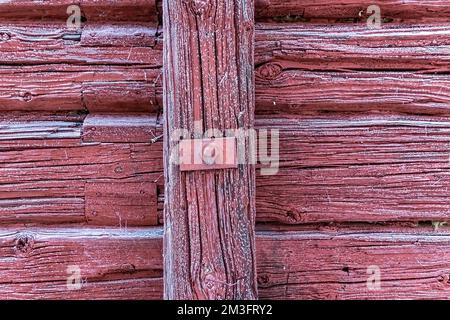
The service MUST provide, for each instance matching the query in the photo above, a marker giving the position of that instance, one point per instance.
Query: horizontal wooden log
(126, 203)
(55, 44)
(92, 10)
(316, 265)
(135, 35)
(369, 168)
(291, 264)
(335, 47)
(350, 47)
(357, 168)
(283, 88)
(75, 78)
(79, 89)
(49, 175)
(111, 263)
(100, 69)
(332, 167)
(278, 10)
(352, 10)
(294, 91)
(121, 128)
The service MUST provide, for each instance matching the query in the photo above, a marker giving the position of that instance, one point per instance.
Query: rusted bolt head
(209, 154)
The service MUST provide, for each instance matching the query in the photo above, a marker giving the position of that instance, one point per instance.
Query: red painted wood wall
(364, 128)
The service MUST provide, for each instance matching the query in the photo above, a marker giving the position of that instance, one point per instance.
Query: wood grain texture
(352, 47)
(357, 168)
(295, 91)
(113, 263)
(45, 167)
(92, 10)
(310, 264)
(78, 89)
(352, 10)
(208, 77)
(278, 10)
(317, 265)
(54, 44)
(347, 167)
(333, 47)
(121, 128)
(51, 68)
(122, 204)
(132, 81)
(333, 167)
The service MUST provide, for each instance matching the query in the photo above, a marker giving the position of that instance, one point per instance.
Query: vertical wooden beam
(209, 84)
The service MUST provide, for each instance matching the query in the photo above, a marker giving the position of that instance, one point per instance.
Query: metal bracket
(207, 154)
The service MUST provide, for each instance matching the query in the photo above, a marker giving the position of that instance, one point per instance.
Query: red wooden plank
(283, 10)
(100, 35)
(357, 168)
(352, 10)
(120, 97)
(122, 204)
(112, 263)
(294, 91)
(350, 47)
(332, 167)
(93, 10)
(291, 265)
(45, 165)
(121, 128)
(55, 44)
(283, 52)
(71, 88)
(317, 265)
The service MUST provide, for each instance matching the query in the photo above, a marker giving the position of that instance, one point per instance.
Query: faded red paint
(363, 120)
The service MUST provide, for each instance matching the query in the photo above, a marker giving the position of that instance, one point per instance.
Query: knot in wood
(128, 268)
(4, 36)
(445, 279)
(263, 280)
(199, 7)
(24, 244)
(294, 216)
(269, 70)
(26, 96)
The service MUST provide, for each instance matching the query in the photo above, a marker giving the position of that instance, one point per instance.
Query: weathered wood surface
(284, 90)
(352, 10)
(278, 10)
(371, 167)
(94, 45)
(357, 168)
(291, 264)
(353, 47)
(139, 128)
(294, 91)
(45, 168)
(209, 216)
(103, 11)
(121, 203)
(100, 69)
(113, 263)
(316, 265)
(75, 77)
(103, 89)
(320, 47)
